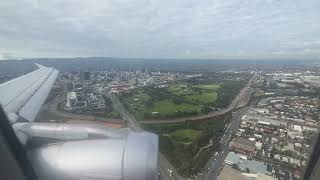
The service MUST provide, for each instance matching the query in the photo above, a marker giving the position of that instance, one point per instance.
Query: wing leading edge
(74, 151)
(23, 97)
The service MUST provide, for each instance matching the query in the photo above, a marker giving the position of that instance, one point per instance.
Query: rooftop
(72, 95)
(244, 164)
(244, 141)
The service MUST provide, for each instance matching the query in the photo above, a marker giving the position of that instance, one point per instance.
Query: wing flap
(14, 88)
(24, 95)
(30, 110)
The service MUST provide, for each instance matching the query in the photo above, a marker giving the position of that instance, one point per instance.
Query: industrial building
(243, 145)
(248, 166)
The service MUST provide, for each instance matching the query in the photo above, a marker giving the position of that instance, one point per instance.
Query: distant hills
(185, 65)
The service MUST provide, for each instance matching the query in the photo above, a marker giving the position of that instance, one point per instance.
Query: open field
(205, 98)
(208, 86)
(169, 107)
(141, 106)
(161, 109)
(229, 173)
(188, 144)
(178, 100)
(185, 98)
(185, 135)
(200, 93)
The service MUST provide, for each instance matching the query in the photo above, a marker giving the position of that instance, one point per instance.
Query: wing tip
(39, 65)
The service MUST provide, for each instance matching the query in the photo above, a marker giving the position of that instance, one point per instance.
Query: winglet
(39, 65)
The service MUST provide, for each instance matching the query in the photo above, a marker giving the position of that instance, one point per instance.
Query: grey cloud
(154, 28)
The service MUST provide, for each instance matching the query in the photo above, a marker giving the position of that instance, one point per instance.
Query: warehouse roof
(244, 164)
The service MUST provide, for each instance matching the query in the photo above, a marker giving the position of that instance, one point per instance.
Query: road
(239, 101)
(50, 112)
(212, 168)
(164, 164)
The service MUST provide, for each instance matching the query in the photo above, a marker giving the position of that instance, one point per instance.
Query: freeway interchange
(214, 164)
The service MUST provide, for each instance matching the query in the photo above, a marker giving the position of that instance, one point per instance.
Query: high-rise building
(84, 75)
(69, 86)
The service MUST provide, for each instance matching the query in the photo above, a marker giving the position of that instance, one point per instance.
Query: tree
(247, 170)
(148, 104)
(235, 166)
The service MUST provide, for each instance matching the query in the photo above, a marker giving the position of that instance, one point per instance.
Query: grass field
(180, 142)
(135, 103)
(200, 93)
(191, 99)
(185, 135)
(208, 86)
(178, 100)
(177, 87)
(204, 98)
(180, 89)
(159, 109)
(168, 107)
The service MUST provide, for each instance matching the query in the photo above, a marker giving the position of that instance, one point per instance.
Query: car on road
(170, 172)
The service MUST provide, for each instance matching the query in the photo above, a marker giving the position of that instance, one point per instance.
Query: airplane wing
(23, 97)
(72, 151)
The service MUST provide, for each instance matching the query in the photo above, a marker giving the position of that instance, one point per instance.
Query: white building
(258, 145)
(297, 128)
(71, 99)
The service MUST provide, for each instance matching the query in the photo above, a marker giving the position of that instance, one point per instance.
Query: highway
(164, 164)
(50, 112)
(214, 165)
(239, 101)
(212, 168)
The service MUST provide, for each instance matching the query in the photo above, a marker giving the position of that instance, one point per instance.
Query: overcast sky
(160, 28)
